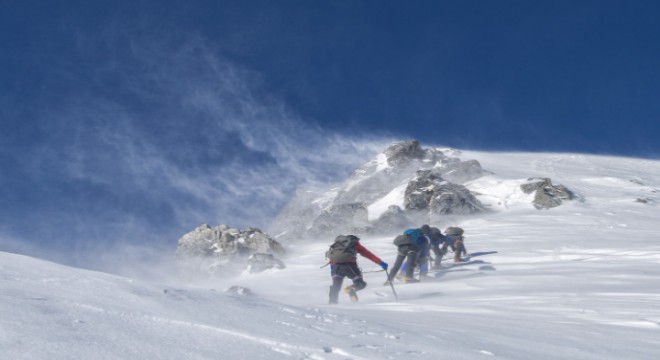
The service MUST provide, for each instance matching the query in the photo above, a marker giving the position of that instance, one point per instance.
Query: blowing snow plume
(156, 138)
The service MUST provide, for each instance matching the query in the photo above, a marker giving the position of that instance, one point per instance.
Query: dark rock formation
(430, 191)
(221, 250)
(404, 152)
(547, 195)
(454, 199)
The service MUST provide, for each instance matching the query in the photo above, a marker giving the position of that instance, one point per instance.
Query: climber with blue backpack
(411, 245)
(342, 257)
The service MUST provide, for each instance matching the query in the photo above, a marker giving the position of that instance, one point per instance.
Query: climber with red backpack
(342, 257)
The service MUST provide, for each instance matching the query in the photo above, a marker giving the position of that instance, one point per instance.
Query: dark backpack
(343, 249)
(454, 231)
(402, 240)
(436, 236)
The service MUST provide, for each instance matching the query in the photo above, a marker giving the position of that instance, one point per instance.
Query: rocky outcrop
(454, 199)
(221, 250)
(546, 195)
(429, 191)
(404, 152)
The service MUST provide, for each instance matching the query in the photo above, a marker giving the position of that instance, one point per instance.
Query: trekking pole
(391, 285)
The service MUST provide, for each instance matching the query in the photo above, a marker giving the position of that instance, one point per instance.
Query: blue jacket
(437, 238)
(419, 240)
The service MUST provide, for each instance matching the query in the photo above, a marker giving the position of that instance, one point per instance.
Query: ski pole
(391, 285)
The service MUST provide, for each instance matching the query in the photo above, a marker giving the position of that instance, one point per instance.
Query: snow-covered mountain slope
(577, 281)
(50, 311)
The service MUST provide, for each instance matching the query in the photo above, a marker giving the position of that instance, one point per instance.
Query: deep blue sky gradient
(134, 121)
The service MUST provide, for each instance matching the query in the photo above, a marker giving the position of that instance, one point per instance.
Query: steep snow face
(377, 165)
(573, 282)
(394, 197)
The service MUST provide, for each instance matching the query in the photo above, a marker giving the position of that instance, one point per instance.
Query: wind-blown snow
(579, 281)
(381, 160)
(394, 197)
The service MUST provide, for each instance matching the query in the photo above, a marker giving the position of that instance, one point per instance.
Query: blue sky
(131, 122)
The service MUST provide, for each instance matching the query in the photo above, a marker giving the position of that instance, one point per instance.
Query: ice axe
(391, 285)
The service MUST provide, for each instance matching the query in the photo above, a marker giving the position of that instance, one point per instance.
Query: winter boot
(409, 280)
(350, 290)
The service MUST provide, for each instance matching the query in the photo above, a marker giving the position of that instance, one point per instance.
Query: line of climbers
(413, 246)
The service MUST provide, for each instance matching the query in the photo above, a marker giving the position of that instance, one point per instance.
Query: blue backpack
(413, 233)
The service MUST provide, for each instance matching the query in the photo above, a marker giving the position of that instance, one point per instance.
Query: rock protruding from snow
(240, 290)
(221, 250)
(260, 262)
(547, 195)
(429, 191)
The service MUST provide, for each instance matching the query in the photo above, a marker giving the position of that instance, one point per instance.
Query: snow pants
(404, 252)
(421, 262)
(339, 272)
(439, 253)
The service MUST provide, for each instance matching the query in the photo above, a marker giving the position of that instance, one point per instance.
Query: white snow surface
(394, 197)
(575, 282)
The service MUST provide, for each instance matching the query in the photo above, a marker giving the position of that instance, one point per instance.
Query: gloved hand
(383, 264)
